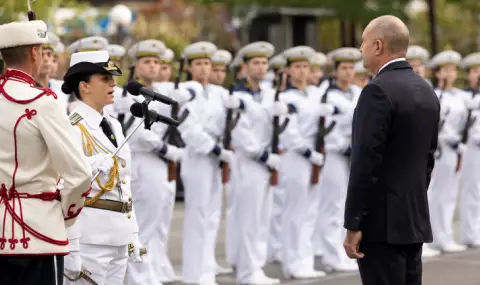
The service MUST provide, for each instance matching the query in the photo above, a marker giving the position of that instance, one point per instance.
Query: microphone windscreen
(133, 87)
(136, 110)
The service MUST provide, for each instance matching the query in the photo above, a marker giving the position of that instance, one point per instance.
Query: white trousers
(108, 264)
(329, 232)
(300, 213)
(231, 223)
(203, 198)
(154, 198)
(470, 196)
(443, 194)
(254, 202)
(275, 231)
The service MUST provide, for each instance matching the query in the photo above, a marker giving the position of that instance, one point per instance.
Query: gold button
(129, 216)
(129, 199)
(124, 181)
(124, 164)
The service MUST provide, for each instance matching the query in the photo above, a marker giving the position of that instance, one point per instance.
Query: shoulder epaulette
(75, 118)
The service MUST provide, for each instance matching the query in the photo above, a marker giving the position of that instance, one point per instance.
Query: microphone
(135, 88)
(136, 110)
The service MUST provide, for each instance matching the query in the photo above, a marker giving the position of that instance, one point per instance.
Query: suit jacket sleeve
(369, 135)
(67, 158)
(433, 148)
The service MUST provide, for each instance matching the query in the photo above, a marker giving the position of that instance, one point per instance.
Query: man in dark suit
(394, 138)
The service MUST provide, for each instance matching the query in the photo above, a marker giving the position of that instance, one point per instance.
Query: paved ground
(453, 269)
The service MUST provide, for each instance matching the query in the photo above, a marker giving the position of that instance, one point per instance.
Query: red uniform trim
(16, 75)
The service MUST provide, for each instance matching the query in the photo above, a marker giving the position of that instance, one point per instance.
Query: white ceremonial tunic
(105, 234)
(443, 188)
(251, 183)
(154, 195)
(201, 176)
(38, 148)
(300, 202)
(470, 185)
(329, 232)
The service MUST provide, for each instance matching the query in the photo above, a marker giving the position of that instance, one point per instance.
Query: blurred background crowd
(322, 24)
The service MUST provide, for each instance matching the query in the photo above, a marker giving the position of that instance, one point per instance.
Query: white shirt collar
(391, 61)
(90, 115)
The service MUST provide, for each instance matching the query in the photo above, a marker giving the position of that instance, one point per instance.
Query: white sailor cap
(346, 54)
(471, 60)
(167, 56)
(318, 59)
(221, 57)
(59, 48)
(444, 58)
(278, 61)
(23, 34)
(199, 50)
(116, 52)
(53, 40)
(88, 44)
(298, 53)
(147, 48)
(90, 62)
(418, 52)
(237, 61)
(257, 49)
(359, 68)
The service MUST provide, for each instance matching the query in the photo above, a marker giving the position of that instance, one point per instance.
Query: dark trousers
(387, 264)
(31, 270)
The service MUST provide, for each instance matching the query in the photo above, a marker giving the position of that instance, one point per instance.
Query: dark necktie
(107, 130)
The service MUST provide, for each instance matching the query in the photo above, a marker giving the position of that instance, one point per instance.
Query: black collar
(401, 64)
(244, 86)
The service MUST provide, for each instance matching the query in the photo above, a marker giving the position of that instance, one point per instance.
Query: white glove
(232, 102)
(473, 103)
(100, 162)
(226, 156)
(174, 153)
(122, 105)
(316, 158)
(73, 261)
(273, 161)
(137, 245)
(462, 148)
(279, 109)
(325, 109)
(449, 137)
(180, 95)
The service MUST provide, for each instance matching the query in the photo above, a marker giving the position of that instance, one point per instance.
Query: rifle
(227, 139)
(438, 152)
(121, 117)
(322, 132)
(468, 124)
(277, 129)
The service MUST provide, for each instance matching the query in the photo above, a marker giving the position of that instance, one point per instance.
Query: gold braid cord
(91, 147)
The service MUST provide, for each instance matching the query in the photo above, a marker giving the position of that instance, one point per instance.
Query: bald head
(392, 31)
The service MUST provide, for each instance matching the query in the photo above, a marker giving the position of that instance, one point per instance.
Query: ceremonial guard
(166, 61)
(296, 170)
(361, 75)
(93, 43)
(470, 180)
(201, 130)
(238, 68)
(220, 61)
(317, 65)
(332, 188)
(154, 193)
(108, 231)
(443, 189)
(418, 57)
(254, 159)
(58, 50)
(38, 148)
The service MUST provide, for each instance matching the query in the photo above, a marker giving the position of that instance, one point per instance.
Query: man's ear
(379, 47)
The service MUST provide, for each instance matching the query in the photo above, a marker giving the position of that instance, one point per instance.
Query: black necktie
(107, 130)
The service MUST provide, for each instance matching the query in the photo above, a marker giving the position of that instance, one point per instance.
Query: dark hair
(435, 81)
(16, 55)
(73, 83)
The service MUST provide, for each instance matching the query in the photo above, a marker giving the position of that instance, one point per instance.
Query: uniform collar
(244, 86)
(27, 78)
(90, 115)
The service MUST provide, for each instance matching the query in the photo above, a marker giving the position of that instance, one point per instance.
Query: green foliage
(11, 9)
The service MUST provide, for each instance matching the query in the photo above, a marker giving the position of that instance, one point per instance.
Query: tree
(44, 9)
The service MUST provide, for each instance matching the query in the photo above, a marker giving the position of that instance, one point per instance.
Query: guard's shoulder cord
(90, 147)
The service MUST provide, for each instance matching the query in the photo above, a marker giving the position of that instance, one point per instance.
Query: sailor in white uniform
(107, 232)
(220, 61)
(329, 233)
(418, 57)
(444, 186)
(317, 66)
(116, 53)
(361, 74)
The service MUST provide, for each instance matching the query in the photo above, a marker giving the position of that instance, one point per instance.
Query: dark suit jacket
(394, 137)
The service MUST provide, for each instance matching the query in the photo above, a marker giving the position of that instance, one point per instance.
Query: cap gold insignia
(95, 41)
(110, 66)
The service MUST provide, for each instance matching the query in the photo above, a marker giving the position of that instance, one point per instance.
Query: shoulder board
(75, 118)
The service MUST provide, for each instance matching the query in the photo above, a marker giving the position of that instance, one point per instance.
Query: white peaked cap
(418, 52)
(23, 34)
(471, 60)
(445, 57)
(199, 50)
(115, 51)
(299, 53)
(147, 48)
(318, 59)
(222, 57)
(167, 56)
(88, 44)
(358, 67)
